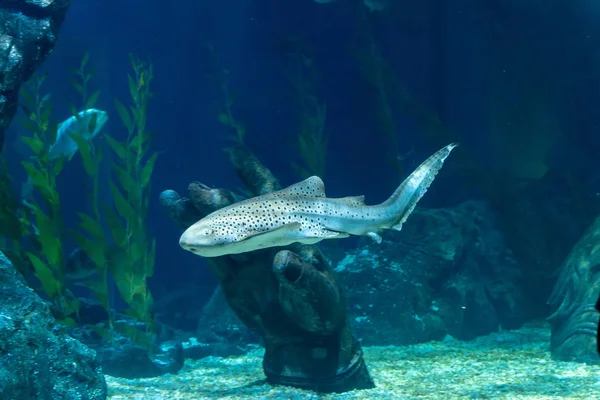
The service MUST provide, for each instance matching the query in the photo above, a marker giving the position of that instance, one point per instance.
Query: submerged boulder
(448, 272)
(120, 355)
(28, 34)
(575, 319)
(38, 359)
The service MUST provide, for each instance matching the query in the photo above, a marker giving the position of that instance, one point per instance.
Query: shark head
(241, 227)
(275, 219)
(203, 239)
(215, 235)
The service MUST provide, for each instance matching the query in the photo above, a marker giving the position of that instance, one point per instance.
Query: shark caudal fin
(404, 199)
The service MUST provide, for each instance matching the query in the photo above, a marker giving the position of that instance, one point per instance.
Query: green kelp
(129, 256)
(34, 232)
(225, 115)
(312, 137)
(114, 240)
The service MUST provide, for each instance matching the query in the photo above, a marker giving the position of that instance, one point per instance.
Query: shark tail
(404, 199)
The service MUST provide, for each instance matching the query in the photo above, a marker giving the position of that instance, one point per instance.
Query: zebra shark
(302, 213)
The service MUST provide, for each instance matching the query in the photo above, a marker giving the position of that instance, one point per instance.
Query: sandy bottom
(505, 365)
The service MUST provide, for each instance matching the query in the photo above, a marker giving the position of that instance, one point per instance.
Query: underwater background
(358, 93)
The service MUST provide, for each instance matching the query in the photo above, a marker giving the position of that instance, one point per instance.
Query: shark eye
(207, 232)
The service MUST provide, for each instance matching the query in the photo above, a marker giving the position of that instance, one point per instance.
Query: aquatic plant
(33, 229)
(312, 137)
(91, 237)
(376, 72)
(225, 115)
(136, 248)
(129, 258)
(392, 99)
(80, 79)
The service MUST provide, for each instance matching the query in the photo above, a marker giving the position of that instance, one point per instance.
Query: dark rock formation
(447, 272)
(219, 327)
(28, 34)
(290, 298)
(127, 360)
(38, 359)
(180, 210)
(574, 321)
(121, 356)
(598, 328)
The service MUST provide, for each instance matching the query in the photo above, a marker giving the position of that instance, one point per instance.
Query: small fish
(302, 213)
(78, 267)
(87, 124)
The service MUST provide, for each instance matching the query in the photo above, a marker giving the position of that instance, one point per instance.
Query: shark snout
(200, 240)
(189, 241)
(185, 241)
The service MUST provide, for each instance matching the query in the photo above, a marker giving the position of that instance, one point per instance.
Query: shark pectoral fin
(376, 238)
(337, 235)
(277, 232)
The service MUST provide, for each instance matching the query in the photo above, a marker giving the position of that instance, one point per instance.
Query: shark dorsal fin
(310, 187)
(354, 201)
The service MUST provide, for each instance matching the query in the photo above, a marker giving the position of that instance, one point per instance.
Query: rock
(38, 359)
(575, 319)
(222, 329)
(120, 356)
(195, 350)
(181, 307)
(29, 32)
(180, 209)
(446, 273)
(127, 360)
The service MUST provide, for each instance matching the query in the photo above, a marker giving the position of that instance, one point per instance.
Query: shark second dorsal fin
(310, 187)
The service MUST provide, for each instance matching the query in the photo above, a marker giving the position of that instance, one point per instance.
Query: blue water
(517, 85)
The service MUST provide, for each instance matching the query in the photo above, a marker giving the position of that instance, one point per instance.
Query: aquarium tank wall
(316, 199)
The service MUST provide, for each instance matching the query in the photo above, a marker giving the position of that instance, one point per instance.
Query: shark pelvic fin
(376, 238)
(322, 233)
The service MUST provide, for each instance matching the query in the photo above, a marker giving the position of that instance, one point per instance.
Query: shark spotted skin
(302, 213)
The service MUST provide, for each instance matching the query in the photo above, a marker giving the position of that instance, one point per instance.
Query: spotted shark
(302, 213)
